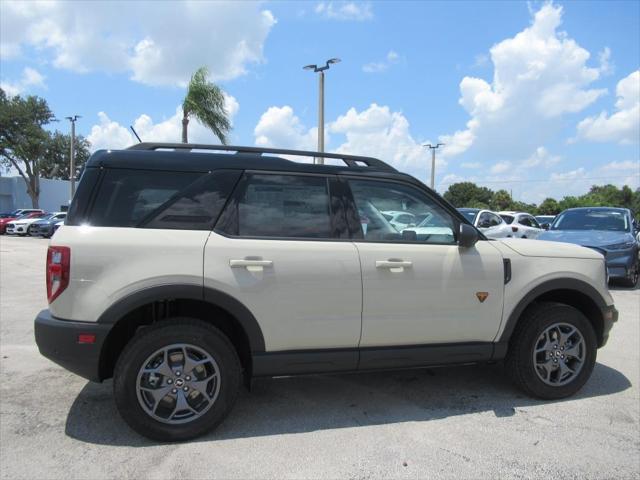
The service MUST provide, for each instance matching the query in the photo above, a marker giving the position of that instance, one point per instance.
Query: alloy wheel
(559, 354)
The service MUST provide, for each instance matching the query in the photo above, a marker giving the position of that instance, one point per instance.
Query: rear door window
(280, 206)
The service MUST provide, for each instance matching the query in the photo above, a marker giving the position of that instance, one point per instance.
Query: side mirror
(545, 226)
(467, 236)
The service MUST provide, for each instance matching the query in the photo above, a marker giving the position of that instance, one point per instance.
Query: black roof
(188, 158)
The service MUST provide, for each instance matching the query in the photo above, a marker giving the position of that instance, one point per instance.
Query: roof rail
(349, 160)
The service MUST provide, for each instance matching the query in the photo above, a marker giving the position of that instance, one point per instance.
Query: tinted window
(507, 218)
(161, 199)
(526, 221)
(469, 214)
(373, 197)
(284, 206)
(494, 220)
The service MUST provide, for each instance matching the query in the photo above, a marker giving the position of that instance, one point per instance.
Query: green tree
(501, 200)
(23, 139)
(205, 102)
(466, 194)
(55, 163)
(549, 206)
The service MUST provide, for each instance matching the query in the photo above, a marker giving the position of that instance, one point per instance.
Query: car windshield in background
(507, 218)
(469, 214)
(610, 220)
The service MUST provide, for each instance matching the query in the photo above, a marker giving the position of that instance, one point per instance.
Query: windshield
(610, 220)
(469, 214)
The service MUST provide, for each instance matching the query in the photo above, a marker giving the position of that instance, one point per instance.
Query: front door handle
(251, 264)
(394, 265)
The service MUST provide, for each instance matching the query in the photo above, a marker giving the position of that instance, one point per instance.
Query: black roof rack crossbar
(350, 160)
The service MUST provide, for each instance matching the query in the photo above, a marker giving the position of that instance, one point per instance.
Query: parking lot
(465, 422)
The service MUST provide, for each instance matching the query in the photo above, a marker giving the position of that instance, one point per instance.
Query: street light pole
(72, 163)
(320, 70)
(433, 161)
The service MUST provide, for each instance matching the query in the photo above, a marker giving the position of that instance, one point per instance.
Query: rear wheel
(176, 379)
(552, 352)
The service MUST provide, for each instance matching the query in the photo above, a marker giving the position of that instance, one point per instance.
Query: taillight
(514, 229)
(58, 266)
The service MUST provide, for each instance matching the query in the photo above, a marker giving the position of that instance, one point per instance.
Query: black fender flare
(546, 287)
(191, 292)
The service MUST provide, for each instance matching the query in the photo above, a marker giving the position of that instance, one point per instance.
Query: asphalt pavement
(463, 422)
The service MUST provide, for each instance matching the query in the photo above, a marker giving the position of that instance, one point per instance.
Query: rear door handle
(251, 265)
(395, 266)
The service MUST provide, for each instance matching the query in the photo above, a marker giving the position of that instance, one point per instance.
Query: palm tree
(205, 101)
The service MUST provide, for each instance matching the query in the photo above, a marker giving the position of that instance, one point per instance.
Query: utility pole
(72, 162)
(433, 162)
(320, 70)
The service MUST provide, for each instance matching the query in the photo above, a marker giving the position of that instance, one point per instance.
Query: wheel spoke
(574, 350)
(157, 393)
(565, 336)
(163, 369)
(181, 404)
(201, 386)
(564, 370)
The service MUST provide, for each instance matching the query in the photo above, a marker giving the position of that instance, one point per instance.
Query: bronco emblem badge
(482, 296)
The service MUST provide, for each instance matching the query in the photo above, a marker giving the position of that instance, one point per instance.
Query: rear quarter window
(161, 199)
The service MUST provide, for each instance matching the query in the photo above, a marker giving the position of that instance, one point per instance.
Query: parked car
(45, 226)
(545, 220)
(607, 230)
(523, 225)
(18, 215)
(192, 272)
(22, 226)
(489, 223)
(399, 219)
(432, 228)
(57, 225)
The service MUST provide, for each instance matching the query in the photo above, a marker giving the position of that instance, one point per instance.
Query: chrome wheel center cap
(179, 382)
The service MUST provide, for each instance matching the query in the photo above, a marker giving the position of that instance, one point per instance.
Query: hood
(47, 221)
(6, 220)
(540, 248)
(587, 238)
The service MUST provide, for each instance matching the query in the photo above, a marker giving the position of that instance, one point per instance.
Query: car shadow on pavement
(311, 403)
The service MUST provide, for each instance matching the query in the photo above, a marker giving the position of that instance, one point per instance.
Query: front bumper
(609, 317)
(58, 341)
(41, 230)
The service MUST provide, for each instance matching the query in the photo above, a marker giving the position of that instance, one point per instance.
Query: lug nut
(169, 381)
(186, 389)
(187, 378)
(177, 373)
(174, 390)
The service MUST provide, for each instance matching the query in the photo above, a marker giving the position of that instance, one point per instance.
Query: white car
(248, 265)
(522, 224)
(22, 226)
(432, 228)
(488, 222)
(399, 219)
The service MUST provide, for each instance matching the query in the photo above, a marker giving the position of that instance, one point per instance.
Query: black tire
(29, 230)
(520, 363)
(168, 332)
(631, 280)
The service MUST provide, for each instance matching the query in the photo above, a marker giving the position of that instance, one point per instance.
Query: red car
(21, 213)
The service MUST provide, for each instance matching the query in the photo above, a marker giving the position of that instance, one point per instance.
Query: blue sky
(538, 98)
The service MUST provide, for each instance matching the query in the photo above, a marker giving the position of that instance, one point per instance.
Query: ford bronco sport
(183, 270)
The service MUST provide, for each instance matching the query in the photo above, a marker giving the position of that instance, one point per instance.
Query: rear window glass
(161, 199)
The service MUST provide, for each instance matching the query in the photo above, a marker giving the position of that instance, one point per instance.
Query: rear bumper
(58, 341)
(609, 316)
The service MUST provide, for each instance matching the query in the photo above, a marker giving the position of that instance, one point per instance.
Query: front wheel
(176, 379)
(552, 352)
(631, 280)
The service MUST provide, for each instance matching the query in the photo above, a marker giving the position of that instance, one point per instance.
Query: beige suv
(182, 274)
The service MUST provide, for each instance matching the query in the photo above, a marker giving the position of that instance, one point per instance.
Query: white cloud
(623, 126)
(541, 157)
(377, 67)
(381, 133)
(501, 167)
(624, 165)
(376, 131)
(280, 127)
(358, 11)
(111, 134)
(539, 75)
(30, 78)
(159, 43)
